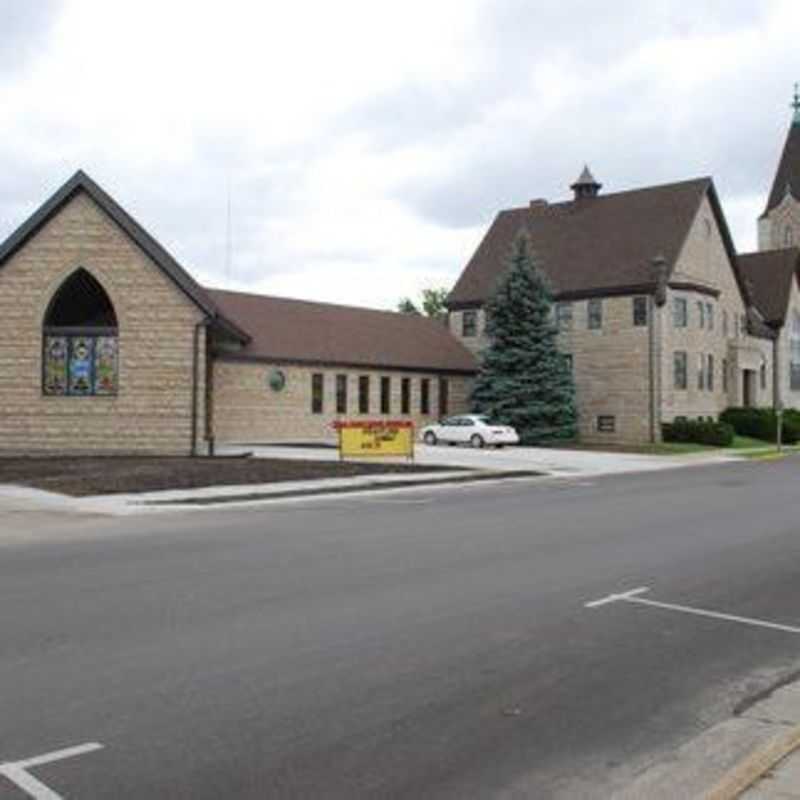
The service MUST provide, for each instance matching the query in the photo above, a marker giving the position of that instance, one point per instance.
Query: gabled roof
(81, 182)
(787, 177)
(299, 331)
(770, 274)
(597, 245)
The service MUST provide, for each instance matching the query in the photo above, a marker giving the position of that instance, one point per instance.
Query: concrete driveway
(556, 462)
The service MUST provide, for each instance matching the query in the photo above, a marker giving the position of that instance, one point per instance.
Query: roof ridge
(300, 300)
(607, 195)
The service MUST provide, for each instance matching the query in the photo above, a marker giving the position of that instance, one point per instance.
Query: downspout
(777, 399)
(657, 300)
(196, 378)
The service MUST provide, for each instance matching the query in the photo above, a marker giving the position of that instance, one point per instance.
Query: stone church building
(108, 345)
(658, 315)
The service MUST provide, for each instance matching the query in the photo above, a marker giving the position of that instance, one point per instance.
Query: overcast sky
(367, 145)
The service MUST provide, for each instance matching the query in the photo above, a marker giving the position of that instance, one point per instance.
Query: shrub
(719, 434)
(762, 423)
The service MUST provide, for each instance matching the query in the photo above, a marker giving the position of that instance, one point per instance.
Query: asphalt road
(424, 644)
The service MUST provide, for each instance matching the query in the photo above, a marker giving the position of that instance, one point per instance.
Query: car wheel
(477, 440)
(430, 438)
(499, 446)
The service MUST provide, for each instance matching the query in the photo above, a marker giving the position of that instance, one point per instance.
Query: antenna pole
(228, 235)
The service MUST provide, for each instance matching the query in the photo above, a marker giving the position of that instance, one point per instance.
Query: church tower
(779, 225)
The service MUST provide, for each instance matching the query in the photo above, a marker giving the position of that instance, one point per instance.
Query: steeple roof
(787, 178)
(586, 179)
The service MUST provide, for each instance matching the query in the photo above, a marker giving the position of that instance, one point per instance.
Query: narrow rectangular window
(701, 371)
(724, 322)
(425, 396)
(405, 396)
(710, 316)
(81, 358)
(606, 424)
(679, 360)
(341, 394)
(564, 316)
(764, 376)
(710, 373)
(794, 353)
(56, 349)
(724, 374)
(363, 394)
(444, 396)
(317, 388)
(701, 314)
(595, 314)
(680, 312)
(386, 395)
(794, 377)
(639, 311)
(469, 323)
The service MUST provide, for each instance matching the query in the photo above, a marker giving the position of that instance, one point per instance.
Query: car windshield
(483, 419)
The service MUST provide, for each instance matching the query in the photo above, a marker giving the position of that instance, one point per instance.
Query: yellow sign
(376, 438)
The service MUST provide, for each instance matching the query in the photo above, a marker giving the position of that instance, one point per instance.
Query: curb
(755, 766)
(374, 486)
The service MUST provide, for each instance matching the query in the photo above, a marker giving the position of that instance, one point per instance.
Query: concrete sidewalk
(753, 755)
(557, 462)
(19, 500)
(781, 782)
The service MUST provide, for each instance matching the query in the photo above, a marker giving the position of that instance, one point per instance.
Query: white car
(473, 429)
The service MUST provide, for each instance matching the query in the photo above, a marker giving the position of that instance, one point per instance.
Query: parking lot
(551, 460)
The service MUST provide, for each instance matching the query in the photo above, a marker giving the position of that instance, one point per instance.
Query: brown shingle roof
(305, 332)
(769, 275)
(787, 175)
(598, 245)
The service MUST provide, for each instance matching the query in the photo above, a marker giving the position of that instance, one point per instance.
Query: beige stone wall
(611, 369)
(791, 399)
(781, 227)
(704, 260)
(610, 365)
(475, 344)
(152, 412)
(247, 410)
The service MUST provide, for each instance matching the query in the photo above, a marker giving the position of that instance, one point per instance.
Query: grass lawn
(743, 443)
(82, 476)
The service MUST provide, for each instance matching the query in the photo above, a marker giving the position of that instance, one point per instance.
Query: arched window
(79, 340)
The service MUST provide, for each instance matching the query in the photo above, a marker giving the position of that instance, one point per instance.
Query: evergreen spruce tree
(524, 380)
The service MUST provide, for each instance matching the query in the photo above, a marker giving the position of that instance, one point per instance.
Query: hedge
(762, 423)
(719, 434)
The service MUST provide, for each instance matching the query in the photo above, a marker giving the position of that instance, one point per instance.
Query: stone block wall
(152, 410)
(610, 366)
(705, 261)
(247, 410)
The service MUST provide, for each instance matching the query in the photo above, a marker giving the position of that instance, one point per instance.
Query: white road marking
(632, 597)
(612, 598)
(17, 771)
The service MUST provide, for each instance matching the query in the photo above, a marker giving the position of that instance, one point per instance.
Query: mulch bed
(82, 476)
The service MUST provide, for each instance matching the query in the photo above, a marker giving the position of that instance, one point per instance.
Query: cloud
(25, 27)
(365, 146)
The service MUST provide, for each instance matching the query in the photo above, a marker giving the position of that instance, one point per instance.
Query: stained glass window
(80, 365)
(80, 351)
(105, 365)
(55, 365)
